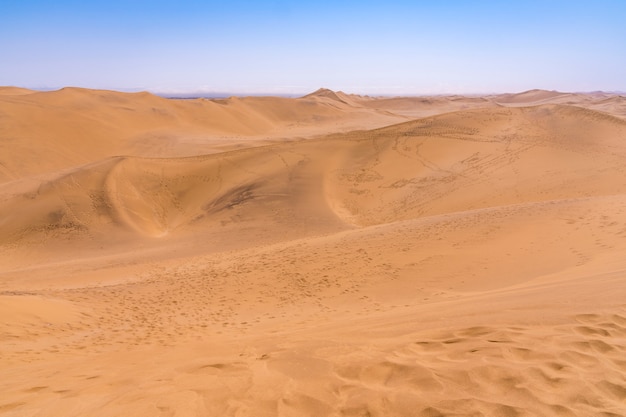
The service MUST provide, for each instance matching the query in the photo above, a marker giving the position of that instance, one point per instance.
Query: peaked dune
(336, 96)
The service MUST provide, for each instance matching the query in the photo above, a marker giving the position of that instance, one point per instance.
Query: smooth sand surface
(331, 255)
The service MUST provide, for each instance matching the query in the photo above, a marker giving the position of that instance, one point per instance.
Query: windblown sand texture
(331, 255)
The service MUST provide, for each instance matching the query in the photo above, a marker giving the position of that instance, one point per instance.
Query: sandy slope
(467, 263)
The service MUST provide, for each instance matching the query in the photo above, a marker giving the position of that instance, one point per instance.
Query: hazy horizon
(289, 48)
(225, 94)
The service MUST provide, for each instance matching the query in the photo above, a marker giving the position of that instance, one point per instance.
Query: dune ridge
(466, 261)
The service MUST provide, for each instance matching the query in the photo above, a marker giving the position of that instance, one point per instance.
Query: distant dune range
(331, 255)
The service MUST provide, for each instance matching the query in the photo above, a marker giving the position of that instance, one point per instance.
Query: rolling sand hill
(258, 256)
(72, 126)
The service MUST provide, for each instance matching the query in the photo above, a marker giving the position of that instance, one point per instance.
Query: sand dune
(615, 105)
(46, 131)
(465, 263)
(532, 97)
(14, 91)
(415, 107)
(605, 102)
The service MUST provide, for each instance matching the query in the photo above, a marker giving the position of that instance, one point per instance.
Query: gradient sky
(292, 47)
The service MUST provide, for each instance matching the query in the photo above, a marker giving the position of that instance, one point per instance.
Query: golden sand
(331, 255)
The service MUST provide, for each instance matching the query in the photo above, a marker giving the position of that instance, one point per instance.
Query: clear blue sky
(288, 46)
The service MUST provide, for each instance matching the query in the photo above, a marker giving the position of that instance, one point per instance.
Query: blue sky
(293, 47)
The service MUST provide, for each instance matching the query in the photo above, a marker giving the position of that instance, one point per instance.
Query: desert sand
(329, 255)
